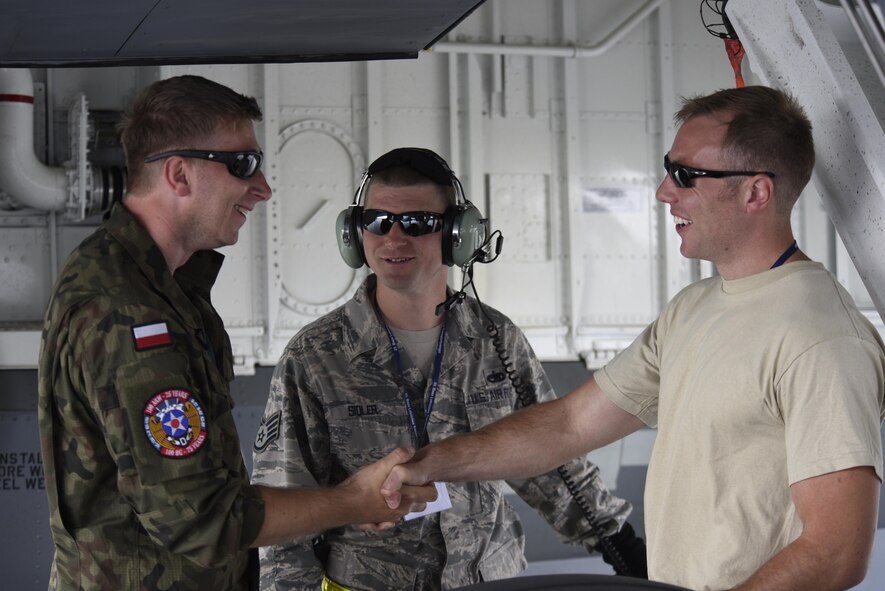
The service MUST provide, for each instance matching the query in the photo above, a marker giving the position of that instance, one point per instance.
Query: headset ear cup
(450, 218)
(349, 233)
(464, 231)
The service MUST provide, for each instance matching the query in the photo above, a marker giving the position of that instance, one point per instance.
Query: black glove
(625, 553)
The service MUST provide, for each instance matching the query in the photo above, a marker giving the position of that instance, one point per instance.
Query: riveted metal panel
(24, 267)
(27, 543)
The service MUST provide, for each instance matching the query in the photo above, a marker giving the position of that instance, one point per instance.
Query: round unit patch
(174, 423)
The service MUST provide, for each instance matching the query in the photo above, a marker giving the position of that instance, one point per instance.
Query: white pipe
(22, 175)
(566, 51)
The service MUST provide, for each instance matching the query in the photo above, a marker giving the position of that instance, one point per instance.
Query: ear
(760, 195)
(177, 175)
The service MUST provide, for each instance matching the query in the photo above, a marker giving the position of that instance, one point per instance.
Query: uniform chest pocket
(488, 405)
(366, 427)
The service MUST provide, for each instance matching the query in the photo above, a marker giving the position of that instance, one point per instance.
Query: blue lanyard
(421, 438)
(787, 254)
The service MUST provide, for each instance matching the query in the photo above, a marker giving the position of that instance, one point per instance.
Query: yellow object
(330, 585)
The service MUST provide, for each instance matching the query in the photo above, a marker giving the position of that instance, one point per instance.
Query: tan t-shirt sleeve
(831, 416)
(632, 379)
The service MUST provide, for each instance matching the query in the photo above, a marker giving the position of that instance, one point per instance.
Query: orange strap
(735, 52)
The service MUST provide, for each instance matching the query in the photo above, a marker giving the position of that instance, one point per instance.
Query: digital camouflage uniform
(147, 486)
(336, 404)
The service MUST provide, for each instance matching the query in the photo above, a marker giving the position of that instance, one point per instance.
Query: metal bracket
(78, 168)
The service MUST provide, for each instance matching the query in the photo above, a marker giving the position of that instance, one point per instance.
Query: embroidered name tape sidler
(151, 335)
(174, 423)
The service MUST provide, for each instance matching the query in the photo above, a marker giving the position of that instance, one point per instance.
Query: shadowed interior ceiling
(52, 33)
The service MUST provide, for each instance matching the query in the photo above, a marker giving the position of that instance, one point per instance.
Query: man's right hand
(295, 512)
(403, 478)
(375, 507)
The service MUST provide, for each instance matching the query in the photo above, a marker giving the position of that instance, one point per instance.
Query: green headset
(464, 229)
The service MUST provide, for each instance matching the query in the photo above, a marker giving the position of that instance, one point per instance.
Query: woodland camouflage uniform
(146, 482)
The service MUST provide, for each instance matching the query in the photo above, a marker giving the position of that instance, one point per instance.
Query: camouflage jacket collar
(367, 333)
(196, 276)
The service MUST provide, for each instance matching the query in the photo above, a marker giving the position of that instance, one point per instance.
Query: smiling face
(221, 202)
(403, 263)
(708, 214)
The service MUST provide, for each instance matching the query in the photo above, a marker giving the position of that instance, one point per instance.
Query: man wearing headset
(387, 370)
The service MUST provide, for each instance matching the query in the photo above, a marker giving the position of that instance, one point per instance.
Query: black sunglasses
(414, 223)
(683, 175)
(242, 165)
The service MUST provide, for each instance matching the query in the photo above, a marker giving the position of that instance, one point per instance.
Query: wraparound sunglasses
(242, 165)
(684, 175)
(414, 223)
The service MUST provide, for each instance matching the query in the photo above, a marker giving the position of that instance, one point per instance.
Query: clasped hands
(403, 489)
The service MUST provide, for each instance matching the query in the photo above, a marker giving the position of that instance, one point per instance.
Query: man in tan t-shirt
(766, 384)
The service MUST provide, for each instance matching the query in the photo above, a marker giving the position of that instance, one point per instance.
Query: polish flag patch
(148, 336)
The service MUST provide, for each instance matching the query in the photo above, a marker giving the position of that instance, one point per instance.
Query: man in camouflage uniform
(147, 487)
(358, 382)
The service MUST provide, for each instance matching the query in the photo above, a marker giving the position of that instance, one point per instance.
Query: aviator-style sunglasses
(242, 165)
(414, 223)
(684, 175)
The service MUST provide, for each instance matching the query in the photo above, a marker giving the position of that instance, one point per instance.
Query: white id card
(441, 503)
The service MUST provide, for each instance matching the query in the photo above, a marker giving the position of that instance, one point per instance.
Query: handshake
(401, 483)
(384, 492)
(376, 497)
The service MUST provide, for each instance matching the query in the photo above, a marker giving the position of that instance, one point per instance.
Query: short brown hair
(405, 176)
(767, 130)
(176, 113)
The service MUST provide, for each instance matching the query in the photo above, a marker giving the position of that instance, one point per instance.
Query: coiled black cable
(524, 398)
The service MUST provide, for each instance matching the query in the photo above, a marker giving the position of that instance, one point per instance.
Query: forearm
(531, 441)
(294, 513)
(526, 443)
(802, 566)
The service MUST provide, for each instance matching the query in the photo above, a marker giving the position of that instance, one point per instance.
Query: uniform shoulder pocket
(160, 427)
